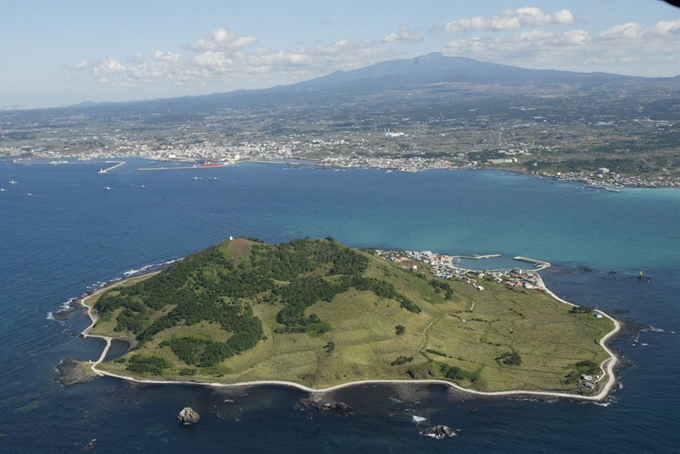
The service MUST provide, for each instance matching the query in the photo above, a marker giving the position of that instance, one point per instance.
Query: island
(318, 315)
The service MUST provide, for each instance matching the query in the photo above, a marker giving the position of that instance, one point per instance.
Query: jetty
(476, 256)
(541, 264)
(115, 166)
(194, 167)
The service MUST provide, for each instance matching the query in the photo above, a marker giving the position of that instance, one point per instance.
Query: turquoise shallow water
(72, 234)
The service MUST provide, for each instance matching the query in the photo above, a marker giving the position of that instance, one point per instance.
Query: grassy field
(363, 343)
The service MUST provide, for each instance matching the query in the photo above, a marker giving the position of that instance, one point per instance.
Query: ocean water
(72, 234)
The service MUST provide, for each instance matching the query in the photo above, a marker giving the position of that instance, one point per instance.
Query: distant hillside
(419, 72)
(436, 68)
(318, 313)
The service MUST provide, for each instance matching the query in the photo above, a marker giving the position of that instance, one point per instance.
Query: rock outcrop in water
(188, 416)
(72, 372)
(319, 405)
(438, 432)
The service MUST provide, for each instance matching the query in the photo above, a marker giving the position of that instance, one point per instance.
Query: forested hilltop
(319, 313)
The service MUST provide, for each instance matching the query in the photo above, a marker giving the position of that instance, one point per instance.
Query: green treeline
(153, 365)
(305, 292)
(208, 286)
(510, 359)
(438, 286)
(456, 373)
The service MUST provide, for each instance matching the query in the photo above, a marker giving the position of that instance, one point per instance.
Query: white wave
(50, 316)
(656, 330)
(418, 419)
(151, 266)
(396, 400)
(66, 305)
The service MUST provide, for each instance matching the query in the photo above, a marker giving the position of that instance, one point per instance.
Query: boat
(101, 171)
(3, 190)
(13, 182)
(213, 178)
(29, 194)
(196, 178)
(143, 186)
(108, 188)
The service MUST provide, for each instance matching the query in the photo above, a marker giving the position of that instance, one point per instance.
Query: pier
(108, 169)
(195, 167)
(476, 257)
(541, 264)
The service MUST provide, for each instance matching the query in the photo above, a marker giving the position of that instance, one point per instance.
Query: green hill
(318, 313)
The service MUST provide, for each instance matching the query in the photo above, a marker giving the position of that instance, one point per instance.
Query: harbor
(450, 267)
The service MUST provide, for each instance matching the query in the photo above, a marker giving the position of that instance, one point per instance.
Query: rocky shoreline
(72, 372)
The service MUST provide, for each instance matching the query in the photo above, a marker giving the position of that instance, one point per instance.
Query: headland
(407, 317)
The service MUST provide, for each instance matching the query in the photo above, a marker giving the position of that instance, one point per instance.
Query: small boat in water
(3, 190)
(213, 178)
(13, 182)
(108, 188)
(29, 194)
(196, 178)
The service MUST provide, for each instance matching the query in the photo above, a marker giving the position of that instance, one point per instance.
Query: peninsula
(318, 315)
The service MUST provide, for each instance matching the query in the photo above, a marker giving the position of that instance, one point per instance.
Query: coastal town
(449, 267)
(631, 138)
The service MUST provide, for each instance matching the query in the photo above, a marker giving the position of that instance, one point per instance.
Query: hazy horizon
(75, 51)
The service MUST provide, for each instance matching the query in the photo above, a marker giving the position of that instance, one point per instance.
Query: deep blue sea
(72, 234)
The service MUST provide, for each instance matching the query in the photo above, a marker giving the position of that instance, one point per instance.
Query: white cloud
(629, 30)
(510, 19)
(79, 66)
(613, 49)
(666, 27)
(222, 39)
(107, 66)
(166, 56)
(405, 34)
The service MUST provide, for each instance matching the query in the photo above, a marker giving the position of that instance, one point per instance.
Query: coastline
(607, 365)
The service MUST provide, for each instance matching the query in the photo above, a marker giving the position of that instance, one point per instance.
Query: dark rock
(72, 372)
(342, 407)
(438, 432)
(319, 406)
(188, 416)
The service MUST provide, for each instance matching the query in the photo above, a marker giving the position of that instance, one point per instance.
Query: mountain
(436, 68)
(422, 72)
(318, 313)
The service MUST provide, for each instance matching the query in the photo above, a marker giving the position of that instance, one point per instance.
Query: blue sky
(65, 52)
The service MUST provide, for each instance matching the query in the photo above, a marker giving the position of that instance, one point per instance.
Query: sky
(63, 52)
